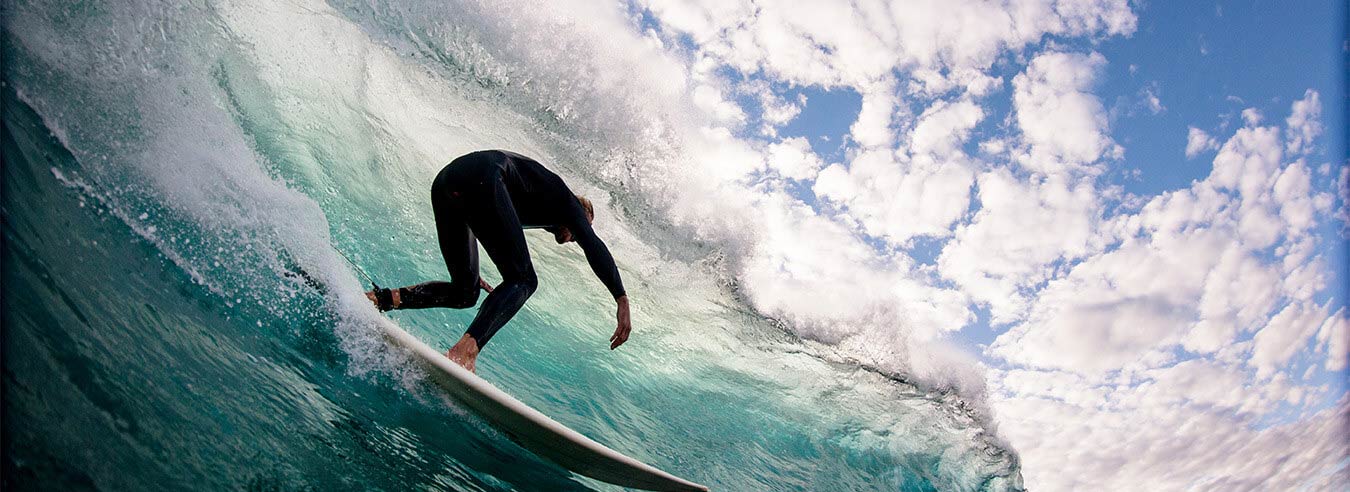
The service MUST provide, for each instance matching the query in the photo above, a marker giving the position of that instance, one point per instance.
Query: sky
(1116, 226)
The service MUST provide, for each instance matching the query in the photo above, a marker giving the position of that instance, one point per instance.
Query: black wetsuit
(491, 196)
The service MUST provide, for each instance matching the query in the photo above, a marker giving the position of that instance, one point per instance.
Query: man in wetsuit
(490, 197)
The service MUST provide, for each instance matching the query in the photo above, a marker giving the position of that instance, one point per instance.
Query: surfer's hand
(625, 325)
(486, 286)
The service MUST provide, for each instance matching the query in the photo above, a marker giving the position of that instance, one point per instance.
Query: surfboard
(530, 428)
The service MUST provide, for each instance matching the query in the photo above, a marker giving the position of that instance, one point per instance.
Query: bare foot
(465, 353)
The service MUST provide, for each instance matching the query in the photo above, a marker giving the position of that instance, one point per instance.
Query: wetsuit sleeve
(602, 263)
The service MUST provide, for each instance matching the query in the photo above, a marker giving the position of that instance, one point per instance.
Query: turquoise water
(168, 167)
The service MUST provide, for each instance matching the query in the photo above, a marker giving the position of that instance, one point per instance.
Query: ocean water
(170, 167)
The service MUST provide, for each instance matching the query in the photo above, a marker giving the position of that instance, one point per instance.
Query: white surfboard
(533, 430)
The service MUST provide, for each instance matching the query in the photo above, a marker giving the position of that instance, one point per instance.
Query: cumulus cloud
(1062, 122)
(1150, 100)
(1247, 162)
(943, 127)
(1198, 141)
(776, 109)
(1304, 123)
(899, 198)
(793, 159)
(1239, 291)
(789, 267)
(1115, 310)
(710, 99)
(1252, 116)
(873, 126)
(1286, 333)
(1334, 340)
(897, 195)
(995, 259)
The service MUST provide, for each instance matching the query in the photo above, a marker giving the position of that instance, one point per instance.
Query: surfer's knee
(467, 299)
(526, 281)
(460, 298)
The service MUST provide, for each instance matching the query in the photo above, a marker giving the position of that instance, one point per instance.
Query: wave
(245, 141)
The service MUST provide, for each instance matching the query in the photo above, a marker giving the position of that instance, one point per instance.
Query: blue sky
(1201, 55)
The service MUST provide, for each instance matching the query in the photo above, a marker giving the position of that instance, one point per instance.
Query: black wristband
(384, 299)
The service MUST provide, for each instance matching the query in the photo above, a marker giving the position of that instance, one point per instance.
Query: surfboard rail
(531, 428)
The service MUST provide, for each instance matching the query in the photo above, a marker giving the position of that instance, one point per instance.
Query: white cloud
(794, 159)
(1063, 124)
(710, 99)
(873, 126)
(1247, 162)
(841, 292)
(1287, 333)
(1198, 141)
(778, 111)
(1293, 194)
(1251, 116)
(1334, 337)
(1151, 99)
(1182, 317)
(899, 195)
(1304, 123)
(1115, 310)
(703, 20)
(943, 127)
(1239, 291)
(995, 259)
(899, 198)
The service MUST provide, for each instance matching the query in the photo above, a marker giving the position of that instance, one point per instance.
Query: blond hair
(590, 209)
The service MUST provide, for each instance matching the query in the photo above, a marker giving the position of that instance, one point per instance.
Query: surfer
(491, 196)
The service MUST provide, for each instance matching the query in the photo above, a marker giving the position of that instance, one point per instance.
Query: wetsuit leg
(459, 248)
(493, 220)
(434, 294)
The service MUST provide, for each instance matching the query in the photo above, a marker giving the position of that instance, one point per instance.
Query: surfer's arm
(597, 254)
(602, 263)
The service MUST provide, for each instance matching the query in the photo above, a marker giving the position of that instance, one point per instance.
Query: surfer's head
(561, 234)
